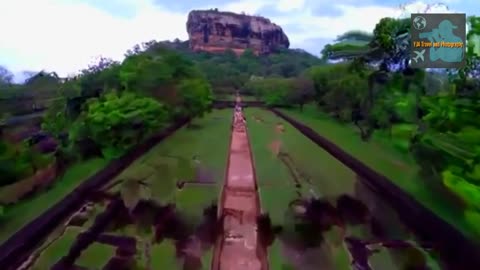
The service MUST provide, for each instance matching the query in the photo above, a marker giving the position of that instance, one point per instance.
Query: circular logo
(419, 23)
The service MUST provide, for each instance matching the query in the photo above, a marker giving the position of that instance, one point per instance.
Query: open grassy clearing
(381, 155)
(207, 140)
(48, 254)
(18, 215)
(190, 201)
(57, 249)
(276, 185)
(329, 178)
(96, 256)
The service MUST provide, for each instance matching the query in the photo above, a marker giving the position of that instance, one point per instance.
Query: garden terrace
(291, 173)
(168, 224)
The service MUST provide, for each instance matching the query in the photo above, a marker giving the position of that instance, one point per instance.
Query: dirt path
(238, 247)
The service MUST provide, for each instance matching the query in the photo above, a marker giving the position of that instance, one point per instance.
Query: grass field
(208, 140)
(276, 185)
(382, 156)
(96, 256)
(328, 178)
(59, 241)
(57, 249)
(18, 215)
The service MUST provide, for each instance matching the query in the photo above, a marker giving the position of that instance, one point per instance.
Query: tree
(99, 76)
(389, 44)
(29, 74)
(115, 122)
(6, 76)
(302, 91)
(196, 96)
(55, 120)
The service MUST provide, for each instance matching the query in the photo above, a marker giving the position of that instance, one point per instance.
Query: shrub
(115, 122)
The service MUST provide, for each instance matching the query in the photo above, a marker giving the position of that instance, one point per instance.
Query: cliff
(216, 31)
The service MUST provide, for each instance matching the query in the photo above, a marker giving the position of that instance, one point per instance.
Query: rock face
(215, 31)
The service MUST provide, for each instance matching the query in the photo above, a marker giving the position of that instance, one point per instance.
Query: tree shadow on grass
(315, 229)
(155, 223)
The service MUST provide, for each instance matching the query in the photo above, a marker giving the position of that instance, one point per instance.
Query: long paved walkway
(238, 247)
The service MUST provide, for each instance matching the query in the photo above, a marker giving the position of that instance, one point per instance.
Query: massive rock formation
(215, 31)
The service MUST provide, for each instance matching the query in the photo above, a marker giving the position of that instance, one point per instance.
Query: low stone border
(456, 249)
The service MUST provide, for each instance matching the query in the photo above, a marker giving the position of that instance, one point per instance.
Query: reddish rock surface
(215, 31)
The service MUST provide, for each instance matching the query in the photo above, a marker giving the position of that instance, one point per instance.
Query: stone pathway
(238, 248)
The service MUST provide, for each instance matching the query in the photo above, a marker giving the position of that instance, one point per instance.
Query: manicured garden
(381, 154)
(189, 155)
(319, 175)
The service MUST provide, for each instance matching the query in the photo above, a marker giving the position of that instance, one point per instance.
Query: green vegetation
(173, 160)
(19, 161)
(188, 155)
(428, 118)
(98, 116)
(413, 120)
(418, 128)
(95, 256)
(276, 185)
(108, 122)
(227, 72)
(56, 250)
(164, 256)
(274, 178)
(281, 167)
(19, 214)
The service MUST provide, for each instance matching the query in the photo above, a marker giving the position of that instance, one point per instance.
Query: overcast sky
(65, 35)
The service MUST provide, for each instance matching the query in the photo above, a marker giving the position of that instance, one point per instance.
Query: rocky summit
(217, 31)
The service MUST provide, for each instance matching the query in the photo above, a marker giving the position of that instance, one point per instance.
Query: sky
(66, 35)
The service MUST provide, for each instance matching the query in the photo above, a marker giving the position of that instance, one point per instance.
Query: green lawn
(96, 256)
(277, 189)
(329, 178)
(191, 200)
(232, 97)
(163, 256)
(56, 250)
(209, 141)
(18, 215)
(382, 156)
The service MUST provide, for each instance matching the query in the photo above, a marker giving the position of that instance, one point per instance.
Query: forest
(362, 82)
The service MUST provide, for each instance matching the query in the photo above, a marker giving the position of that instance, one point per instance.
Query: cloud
(290, 5)
(65, 36)
(310, 25)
